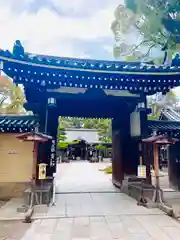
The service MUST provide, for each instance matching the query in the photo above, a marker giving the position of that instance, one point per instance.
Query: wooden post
(140, 153)
(156, 164)
(157, 193)
(34, 168)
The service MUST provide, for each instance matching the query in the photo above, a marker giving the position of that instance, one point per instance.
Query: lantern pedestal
(158, 140)
(142, 200)
(141, 172)
(35, 192)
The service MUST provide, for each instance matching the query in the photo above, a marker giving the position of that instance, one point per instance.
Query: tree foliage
(61, 132)
(156, 21)
(68, 122)
(159, 101)
(102, 125)
(12, 97)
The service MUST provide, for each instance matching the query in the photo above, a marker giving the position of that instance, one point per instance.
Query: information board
(141, 171)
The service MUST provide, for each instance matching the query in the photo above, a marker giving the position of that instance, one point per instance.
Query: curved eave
(171, 128)
(70, 72)
(88, 65)
(17, 124)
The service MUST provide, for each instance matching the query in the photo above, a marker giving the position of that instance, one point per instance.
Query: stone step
(171, 194)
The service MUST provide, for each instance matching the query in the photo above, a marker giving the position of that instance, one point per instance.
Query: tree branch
(135, 48)
(2, 100)
(153, 45)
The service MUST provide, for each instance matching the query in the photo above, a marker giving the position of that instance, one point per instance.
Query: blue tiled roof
(16, 124)
(170, 128)
(170, 114)
(160, 125)
(87, 64)
(55, 72)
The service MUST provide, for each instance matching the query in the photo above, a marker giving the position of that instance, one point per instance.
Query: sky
(75, 28)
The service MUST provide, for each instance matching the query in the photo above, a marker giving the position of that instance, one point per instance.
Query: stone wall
(11, 190)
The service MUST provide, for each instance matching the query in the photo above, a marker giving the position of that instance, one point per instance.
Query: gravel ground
(12, 230)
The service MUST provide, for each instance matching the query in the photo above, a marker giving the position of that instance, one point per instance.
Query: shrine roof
(54, 72)
(170, 128)
(161, 125)
(17, 124)
(170, 114)
(25, 123)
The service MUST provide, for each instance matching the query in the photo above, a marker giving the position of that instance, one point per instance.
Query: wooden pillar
(124, 148)
(156, 164)
(47, 150)
(117, 171)
(147, 154)
(130, 148)
(130, 155)
(174, 166)
(147, 150)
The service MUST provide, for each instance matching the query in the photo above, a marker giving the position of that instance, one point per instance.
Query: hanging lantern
(141, 105)
(51, 102)
(1, 65)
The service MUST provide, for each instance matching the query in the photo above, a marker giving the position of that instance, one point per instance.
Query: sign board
(53, 154)
(42, 171)
(49, 148)
(135, 124)
(141, 171)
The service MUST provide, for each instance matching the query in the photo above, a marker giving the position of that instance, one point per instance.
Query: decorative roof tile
(170, 114)
(85, 64)
(55, 72)
(164, 127)
(16, 124)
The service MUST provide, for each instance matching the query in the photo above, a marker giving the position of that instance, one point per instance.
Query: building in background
(83, 144)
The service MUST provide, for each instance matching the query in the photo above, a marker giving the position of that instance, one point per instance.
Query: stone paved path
(99, 215)
(12, 230)
(83, 177)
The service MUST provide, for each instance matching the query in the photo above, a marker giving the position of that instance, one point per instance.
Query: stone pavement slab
(96, 204)
(13, 230)
(98, 211)
(9, 209)
(134, 227)
(83, 177)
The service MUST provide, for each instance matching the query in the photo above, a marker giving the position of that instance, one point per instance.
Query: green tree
(156, 21)
(65, 122)
(61, 133)
(71, 122)
(91, 123)
(103, 126)
(159, 101)
(105, 130)
(12, 97)
(77, 122)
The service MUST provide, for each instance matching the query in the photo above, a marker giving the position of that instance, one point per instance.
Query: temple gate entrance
(94, 104)
(57, 86)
